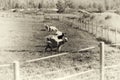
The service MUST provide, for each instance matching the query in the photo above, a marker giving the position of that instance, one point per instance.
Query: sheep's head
(65, 39)
(46, 26)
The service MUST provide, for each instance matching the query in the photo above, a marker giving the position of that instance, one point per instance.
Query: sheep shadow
(42, 29)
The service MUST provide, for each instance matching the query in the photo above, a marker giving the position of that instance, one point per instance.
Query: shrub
(60, 6)
(39, 6)
(101, 8)
(16, 5)
(81, 7)
(92, 17)
(94, 5)
(117, 11)
(69, 3)
(108, 17)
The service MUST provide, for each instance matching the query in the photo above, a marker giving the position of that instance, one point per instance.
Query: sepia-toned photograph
(59, 39)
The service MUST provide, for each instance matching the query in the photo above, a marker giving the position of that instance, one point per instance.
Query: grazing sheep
(21, 10)
(50, 28)
(49, 37)
(13, 10)
(54, 42)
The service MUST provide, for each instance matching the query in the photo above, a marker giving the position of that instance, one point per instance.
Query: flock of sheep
(56, 40)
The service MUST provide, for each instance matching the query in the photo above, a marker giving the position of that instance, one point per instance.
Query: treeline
(10, 4)
(100, 5)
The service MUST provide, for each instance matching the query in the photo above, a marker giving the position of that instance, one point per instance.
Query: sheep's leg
(59, 48)
(50, 48)
(46, 49)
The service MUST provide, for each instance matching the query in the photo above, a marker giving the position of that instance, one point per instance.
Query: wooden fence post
(85, 25)
(116, 35)
(80, 24)
(96, 30)
(108, 33)
(102, 60)
(16, 70)
(102, 32)
(88, 26)
(92, 28)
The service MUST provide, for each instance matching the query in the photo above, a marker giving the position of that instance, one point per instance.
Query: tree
(101, 8)
(60, 6)
(69, 3)
(81, 7)
(39, 6)
(94, 5)
(16, 5)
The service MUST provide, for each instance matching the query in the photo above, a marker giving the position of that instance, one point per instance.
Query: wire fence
(101, 32)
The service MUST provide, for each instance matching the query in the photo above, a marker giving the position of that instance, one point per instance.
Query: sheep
(14, 10)
(50, 28)
(49, 37)
(54, 42)
(21, 10)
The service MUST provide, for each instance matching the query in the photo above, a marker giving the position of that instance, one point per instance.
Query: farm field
(24, 39)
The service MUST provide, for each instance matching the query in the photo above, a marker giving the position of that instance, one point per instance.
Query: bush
(69, 3)
(16, 5)
(101, 8)
(81, 7)
(60, 6)
(108, 17)
(117, 11)
(39, 6)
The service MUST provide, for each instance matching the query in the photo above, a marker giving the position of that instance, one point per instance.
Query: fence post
(92, 28)
(101, 60)
(85, 25)
(16, 70)
(88, 26)
(116, 35)
(102, 32)
(80, 24)
(108, 33)
(96, 30)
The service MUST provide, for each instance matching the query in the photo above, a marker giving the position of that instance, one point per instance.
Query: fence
(16, 64)
(101, 32)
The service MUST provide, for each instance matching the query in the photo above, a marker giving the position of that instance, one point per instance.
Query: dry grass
(24, 40)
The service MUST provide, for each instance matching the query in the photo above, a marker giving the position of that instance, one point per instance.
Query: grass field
(23, 39)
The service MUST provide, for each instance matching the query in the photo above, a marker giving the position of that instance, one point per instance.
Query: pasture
(24, 39)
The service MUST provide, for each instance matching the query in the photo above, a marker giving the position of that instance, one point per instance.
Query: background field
(23, 39)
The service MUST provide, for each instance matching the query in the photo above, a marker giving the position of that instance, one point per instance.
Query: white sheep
(14, 10)
(50, 28)
(54, 42)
